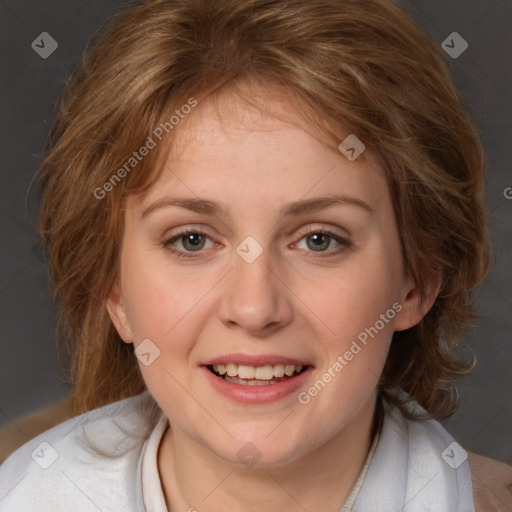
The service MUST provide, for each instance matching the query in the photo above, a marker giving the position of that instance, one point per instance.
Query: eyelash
(344, 243)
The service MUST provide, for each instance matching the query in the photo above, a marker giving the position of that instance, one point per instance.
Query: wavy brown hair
(357, 65)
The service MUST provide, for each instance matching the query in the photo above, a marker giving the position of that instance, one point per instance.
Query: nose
(255, 297)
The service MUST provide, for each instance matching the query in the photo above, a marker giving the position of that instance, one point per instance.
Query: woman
(264, 220)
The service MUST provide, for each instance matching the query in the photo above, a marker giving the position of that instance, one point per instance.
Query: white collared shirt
(106, 460)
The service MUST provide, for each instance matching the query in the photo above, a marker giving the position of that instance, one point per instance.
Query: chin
(259, 453)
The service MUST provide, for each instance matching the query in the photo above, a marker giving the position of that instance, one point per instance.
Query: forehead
(259, 149)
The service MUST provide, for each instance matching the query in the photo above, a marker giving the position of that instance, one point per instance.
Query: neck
(193, 477)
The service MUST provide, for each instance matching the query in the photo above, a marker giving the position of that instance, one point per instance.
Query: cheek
(158, 300)
(164, 305)
(353, 298)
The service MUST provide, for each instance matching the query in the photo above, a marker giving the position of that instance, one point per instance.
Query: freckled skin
(292, 301)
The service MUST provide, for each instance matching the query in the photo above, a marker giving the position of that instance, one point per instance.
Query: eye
(319, 240)
(190, 241)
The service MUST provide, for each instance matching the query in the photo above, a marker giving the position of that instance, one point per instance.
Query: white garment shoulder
(416, 467)
(87, 463)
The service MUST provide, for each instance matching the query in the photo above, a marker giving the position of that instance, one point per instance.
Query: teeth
(251, 382)
(289, 369)
(279, 370)
(221, 369)
(264, 373)
(232, 369)
(246, 372)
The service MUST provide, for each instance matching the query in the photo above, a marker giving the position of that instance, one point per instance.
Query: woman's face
(291, 257)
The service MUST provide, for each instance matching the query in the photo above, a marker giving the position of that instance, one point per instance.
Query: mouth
(264, 375)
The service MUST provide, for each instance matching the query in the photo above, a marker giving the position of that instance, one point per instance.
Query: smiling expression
(260, 248)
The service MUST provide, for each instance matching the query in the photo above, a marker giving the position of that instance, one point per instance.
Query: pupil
(319, 237)
(194, 239)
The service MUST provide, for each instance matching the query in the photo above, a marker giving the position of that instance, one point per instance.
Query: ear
(117, 312)
(414, 306)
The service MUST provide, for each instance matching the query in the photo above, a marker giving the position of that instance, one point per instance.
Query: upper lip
(256, 360)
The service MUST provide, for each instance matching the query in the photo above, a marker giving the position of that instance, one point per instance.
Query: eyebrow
(207, 207)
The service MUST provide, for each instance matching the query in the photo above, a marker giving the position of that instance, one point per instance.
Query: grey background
(30, 376)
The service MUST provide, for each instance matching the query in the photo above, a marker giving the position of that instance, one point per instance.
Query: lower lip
(256, 394)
